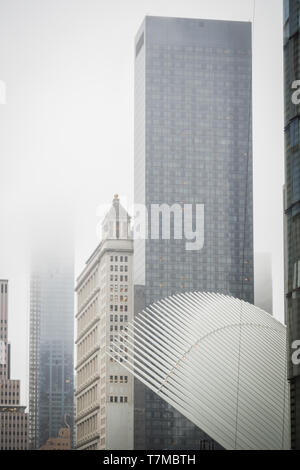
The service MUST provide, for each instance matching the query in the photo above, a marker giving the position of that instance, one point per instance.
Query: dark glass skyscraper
(51, 384)
(193, 145)
(292, 204)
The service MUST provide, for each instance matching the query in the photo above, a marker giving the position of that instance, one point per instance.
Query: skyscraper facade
(292, 204)
(13, 419)
(51, 384)
(193, 145)
(104, 390)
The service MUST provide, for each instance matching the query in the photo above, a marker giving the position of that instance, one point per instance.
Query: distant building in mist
(13, 419)
(263, 284)
(104, 389)
(51, 384)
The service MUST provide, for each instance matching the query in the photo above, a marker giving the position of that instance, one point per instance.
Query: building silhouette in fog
(51, 337)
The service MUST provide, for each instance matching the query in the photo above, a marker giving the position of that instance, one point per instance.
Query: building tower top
(116, 223)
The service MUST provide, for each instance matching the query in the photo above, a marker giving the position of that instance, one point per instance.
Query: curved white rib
(219, 361)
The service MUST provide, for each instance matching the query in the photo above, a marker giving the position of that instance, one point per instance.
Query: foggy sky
(66, 131)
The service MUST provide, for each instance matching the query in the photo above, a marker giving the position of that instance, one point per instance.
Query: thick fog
(66, 130)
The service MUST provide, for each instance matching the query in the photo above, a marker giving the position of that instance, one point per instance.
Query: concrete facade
(104, 391)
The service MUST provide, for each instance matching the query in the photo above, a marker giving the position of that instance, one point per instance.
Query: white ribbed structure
(219, 361)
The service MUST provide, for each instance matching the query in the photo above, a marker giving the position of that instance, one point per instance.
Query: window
(116, 258)
(126, 259)
(116, 308)
(294, 132)
(121, 259)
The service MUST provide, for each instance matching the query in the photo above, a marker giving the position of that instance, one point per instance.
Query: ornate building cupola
(116, 223)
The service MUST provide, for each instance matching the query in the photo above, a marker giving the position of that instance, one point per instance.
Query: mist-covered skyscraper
(51, 386)
(193, 145)
(292, 204)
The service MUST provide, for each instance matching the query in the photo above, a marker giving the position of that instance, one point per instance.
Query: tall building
(104, 391)
(292, 204)
(51, 384)
(193, 145)
(13, 419)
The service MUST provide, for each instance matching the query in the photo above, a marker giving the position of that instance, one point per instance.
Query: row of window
(122, 258)
(122, 278)
(115, 308)
(118, 379)
(116, 268)
(119, 318)
(118, 399)
(117, 288)
(123, 298)
(116, 328)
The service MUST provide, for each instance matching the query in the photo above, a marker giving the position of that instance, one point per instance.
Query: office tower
(104, 391)
(263, 287)
(13, 419)
(62, 442)
(292, 205)
(193, 145)
(51, 347)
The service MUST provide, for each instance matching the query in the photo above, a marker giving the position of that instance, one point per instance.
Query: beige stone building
(104, 390)
(13, 419)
